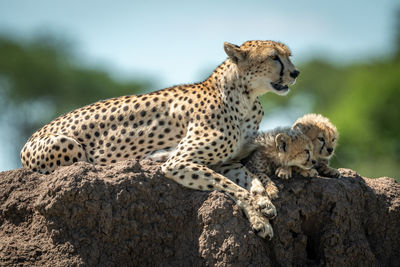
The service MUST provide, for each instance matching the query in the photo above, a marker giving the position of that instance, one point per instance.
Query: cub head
(264, 66)
(296, 149)
(321, 132)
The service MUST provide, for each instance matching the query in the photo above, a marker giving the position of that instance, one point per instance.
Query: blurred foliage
(42, 78)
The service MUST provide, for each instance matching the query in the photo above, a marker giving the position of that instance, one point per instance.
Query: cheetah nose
(294, 73)
(329, 149)
(313, 161)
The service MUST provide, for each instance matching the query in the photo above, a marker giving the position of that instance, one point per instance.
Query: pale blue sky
(176, 42)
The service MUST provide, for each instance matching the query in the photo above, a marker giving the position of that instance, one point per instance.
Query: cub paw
(309, 173)
(330, 172)
(283, 173)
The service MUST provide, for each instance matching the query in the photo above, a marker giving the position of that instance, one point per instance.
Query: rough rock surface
(128, 214)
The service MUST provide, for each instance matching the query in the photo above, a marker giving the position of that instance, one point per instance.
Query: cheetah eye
(275, 57)
(308, 154)
(321, 139)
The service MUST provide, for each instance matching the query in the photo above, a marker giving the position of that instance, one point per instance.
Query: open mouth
(279, 87)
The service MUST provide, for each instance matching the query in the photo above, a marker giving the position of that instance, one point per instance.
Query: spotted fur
(276, 152)
(324, 136)
(202, 124)
(279, 150)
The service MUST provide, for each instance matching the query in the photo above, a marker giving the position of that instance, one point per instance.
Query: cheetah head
(295, 150)
(264, 66)
(321, 132)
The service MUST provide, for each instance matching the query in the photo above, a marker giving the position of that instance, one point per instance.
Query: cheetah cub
(324, 136)
(279, 151)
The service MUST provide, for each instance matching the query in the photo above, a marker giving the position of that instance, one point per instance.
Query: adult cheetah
(206, 123)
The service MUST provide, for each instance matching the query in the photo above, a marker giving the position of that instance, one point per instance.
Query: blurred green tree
(42, 78)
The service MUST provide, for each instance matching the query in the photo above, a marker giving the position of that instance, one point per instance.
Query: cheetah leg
(197, 176)
(239, 174)
(47, 152)
(269, 185)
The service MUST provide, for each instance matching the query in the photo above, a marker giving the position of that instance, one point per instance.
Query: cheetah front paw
(265, 206)
(261, 227)
(283, 173)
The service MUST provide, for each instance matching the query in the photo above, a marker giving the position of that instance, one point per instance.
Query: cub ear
(234, 52)
(282, 142)
(304, 128)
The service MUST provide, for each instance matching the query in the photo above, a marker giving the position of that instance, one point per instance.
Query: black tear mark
(282, 67)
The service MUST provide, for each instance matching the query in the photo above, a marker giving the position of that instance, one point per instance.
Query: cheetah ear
(304, 128)
(282, 142)
(234, 52)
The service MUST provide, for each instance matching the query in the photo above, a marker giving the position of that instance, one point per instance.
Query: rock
(128, 214)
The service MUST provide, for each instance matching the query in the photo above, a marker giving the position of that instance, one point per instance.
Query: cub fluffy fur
(279, 150)
(324, 136)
